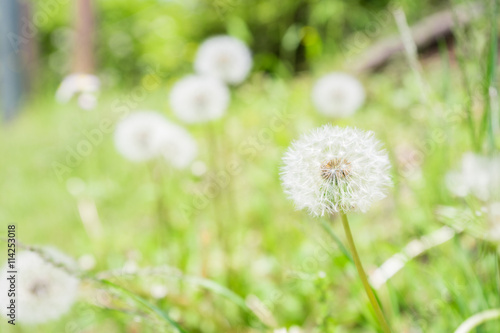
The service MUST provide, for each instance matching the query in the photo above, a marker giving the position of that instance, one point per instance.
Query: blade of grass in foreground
(173, 273)
(487, 125)
(477, 319)
(146, 304)
(461, 51)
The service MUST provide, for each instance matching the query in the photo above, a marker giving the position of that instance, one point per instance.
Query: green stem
(497, 267)
(162, 218)
(362, 275)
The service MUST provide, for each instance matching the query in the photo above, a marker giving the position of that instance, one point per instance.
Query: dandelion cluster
(224, 57)
(84, 86)
(145, 135)
(203, 97)
(44, 292)
(338, 95)
(333, 169)
(199, 98)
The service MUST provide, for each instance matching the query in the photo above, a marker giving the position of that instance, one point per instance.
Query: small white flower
(478, 176)
(333, 169)
(199, 98)
(224, 57)
(198, 168)
(338, 95)
(44, 292)
(158, 291)
(85, 85)
(145, 135)
(293, 329)
(86, 262)
(87, 101)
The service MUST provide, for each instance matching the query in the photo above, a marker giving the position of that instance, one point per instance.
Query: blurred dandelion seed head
(44, 292)
(333, 169)
(139, 135)
(478, 176)
(224, 57)
(199, 99)
(144, 135)
(84, 86)
(338, 95)
(178, 147)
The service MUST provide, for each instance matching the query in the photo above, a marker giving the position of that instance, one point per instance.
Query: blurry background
(286, 37)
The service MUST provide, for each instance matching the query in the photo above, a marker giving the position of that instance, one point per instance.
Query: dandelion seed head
(338, 95)
(333, 169)
(224, 57)
(85, 86)
(199, 99)
(177, 146)
(336, 170)
(478, 176)
(145, 135)
(44, 292)
(138, 136)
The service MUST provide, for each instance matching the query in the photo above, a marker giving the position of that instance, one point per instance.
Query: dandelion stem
(362, 275)
(161, 215)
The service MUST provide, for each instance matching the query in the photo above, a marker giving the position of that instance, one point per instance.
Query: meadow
(219, 247)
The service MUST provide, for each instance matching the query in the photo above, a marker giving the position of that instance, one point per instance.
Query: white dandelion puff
(338, 95)
(44, 292)
(478, 176)
(145, 135)
(224, 57)
(139, 136)
(85, 86)
(177, 146)
(333, 169)
(199, 99)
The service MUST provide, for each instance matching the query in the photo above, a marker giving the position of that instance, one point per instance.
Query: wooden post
(84, 38)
